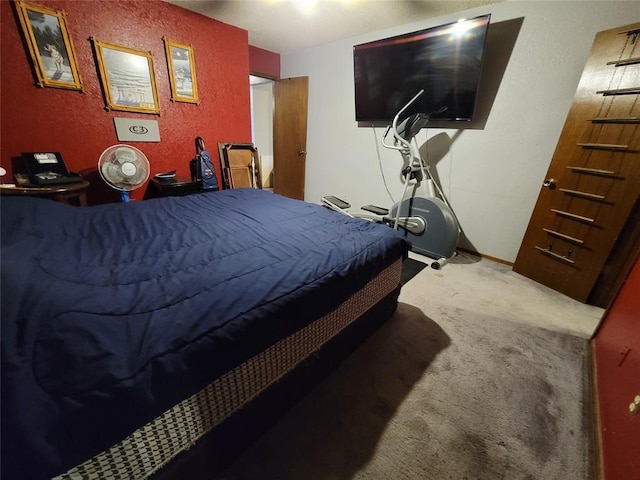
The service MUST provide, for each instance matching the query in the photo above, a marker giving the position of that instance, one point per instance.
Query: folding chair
(240, 165)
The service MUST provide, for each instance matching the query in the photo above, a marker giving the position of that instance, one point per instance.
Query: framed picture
(127, 77)
(182, 71)
(50, 47)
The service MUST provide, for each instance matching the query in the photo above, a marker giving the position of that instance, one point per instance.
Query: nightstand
(172, 187)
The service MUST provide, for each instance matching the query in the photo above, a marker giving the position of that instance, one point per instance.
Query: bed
(133, 332)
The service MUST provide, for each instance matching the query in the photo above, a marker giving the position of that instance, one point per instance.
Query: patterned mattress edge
(154, 445)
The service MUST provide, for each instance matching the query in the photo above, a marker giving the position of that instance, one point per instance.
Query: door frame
(265, 148)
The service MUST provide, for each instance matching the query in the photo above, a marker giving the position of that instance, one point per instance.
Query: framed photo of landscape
(182, 71)
(50, 47)
(127, 78)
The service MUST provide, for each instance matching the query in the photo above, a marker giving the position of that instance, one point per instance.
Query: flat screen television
(445, 61)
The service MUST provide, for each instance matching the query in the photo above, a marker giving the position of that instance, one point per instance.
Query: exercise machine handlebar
(400, 112)
(404, 143)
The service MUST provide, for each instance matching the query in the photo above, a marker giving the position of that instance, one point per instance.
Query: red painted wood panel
(76, 124)
(617, 354)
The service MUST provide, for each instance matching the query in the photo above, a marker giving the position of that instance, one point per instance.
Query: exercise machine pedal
(341, 204)
(334, 203)
(376, 210)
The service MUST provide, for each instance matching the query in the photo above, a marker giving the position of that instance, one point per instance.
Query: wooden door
(290, 136)
(593, 181)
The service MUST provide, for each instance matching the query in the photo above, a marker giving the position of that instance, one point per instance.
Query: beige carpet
(479, 285)
(480, 374)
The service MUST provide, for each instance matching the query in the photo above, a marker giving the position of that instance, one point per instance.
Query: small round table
(60, 193)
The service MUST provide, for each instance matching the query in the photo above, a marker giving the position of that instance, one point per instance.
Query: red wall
(77, 125)
(617, 355)
(264, 63)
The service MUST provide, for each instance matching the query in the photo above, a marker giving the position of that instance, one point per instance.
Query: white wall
(492, 176)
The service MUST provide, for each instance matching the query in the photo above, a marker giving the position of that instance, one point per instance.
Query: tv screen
(445, 61)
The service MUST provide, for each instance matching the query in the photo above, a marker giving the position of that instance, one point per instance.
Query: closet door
(593, 182)
(290, 136)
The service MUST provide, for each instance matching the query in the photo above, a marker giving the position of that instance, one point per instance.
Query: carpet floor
(443, 390)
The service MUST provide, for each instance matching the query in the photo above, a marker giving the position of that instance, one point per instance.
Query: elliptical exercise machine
(426, 220)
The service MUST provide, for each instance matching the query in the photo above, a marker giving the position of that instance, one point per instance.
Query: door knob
(550, 183)
(302, 152)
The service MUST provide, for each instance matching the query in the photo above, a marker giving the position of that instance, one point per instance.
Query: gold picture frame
(127, 78)
(50, 47)
(182, 71)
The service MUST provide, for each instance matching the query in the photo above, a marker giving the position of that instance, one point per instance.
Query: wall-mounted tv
(445, 61)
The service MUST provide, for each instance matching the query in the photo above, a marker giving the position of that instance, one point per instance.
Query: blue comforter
(113, 314)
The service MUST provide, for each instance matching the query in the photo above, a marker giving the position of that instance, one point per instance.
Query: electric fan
(124, 168)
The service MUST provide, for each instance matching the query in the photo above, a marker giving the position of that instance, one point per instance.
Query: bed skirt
(153, 446)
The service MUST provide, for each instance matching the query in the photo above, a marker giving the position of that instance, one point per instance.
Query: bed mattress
(113, 315)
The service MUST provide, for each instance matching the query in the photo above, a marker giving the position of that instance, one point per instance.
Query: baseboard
(488, 257)
(597, 462)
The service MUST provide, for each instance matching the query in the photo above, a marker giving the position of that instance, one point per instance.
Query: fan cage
(116, 161)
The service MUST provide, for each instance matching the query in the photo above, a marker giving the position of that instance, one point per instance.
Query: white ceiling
(286, 25)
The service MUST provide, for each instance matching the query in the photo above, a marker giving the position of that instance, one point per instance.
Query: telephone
(43, 169)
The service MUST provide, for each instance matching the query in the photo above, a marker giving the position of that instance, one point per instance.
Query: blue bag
(202, 169)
